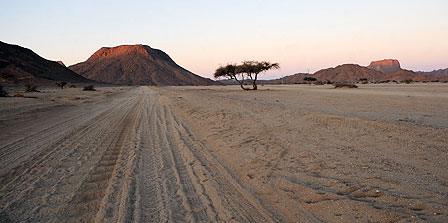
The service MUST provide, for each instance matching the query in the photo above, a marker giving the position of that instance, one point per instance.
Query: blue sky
(200, 35)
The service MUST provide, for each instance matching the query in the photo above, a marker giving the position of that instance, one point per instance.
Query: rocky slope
(136, 65)
(19, 65)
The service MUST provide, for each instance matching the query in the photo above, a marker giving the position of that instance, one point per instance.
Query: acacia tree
(248, 70)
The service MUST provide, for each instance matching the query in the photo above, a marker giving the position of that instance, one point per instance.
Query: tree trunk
(254, 83)
(241, 83)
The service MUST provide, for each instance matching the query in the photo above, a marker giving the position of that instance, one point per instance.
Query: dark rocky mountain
(136, 65)
(19, 65)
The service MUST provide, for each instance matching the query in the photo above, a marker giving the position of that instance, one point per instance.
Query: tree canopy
(248, 70)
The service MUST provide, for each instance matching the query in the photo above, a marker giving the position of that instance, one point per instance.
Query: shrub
(72, 86)
(31, 88)
(3, 93)
(319, 83)
(344, 85)
(89, 88)
(309, 79)
(407, 81)
(363, 81)
(61, 84)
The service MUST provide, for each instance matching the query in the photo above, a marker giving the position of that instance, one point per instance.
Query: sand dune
(219, 154)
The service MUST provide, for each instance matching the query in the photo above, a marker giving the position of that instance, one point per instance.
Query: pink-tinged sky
(303, 36)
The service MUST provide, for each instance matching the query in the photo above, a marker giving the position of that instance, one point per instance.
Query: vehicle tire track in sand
(131, 162)
(243, 207)
(45, 180)
(90, 200)
(150, 203)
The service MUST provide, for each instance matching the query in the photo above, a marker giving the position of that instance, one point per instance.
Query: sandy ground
(206, 154)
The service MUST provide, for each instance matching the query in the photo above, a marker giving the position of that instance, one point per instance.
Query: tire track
(87, 202)
(150, 203)
(131, 160)
(241, 204)
(48, 178)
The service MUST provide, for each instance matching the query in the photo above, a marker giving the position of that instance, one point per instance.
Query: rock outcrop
(386, 66)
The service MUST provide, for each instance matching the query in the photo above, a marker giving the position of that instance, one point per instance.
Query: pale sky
(303, 36)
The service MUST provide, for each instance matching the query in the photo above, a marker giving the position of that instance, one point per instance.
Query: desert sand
(290, 153)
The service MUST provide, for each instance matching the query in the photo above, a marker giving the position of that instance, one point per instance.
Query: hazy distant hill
(136, 65)
(382, 70)
(441, 74)
(291, 79)
(19, 65)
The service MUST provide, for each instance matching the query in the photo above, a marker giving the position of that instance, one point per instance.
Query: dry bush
(61, 84)
(407, 81)
(89, 88)
(363, 81)
(344, 85)
(31, 88)
(72, 86)
(311, 79)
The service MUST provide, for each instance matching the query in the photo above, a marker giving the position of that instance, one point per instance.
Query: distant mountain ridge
(441, 73)
(19, 65)
(136, 65)
(377, 71)
(143, 65)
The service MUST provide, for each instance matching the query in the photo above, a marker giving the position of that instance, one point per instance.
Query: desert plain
(284, 153)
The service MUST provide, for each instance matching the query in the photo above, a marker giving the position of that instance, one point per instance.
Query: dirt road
(126, 159)
(219, 154)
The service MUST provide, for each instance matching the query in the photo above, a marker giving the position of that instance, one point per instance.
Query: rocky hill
(19, 65)
(348, 72)
(136, 65)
